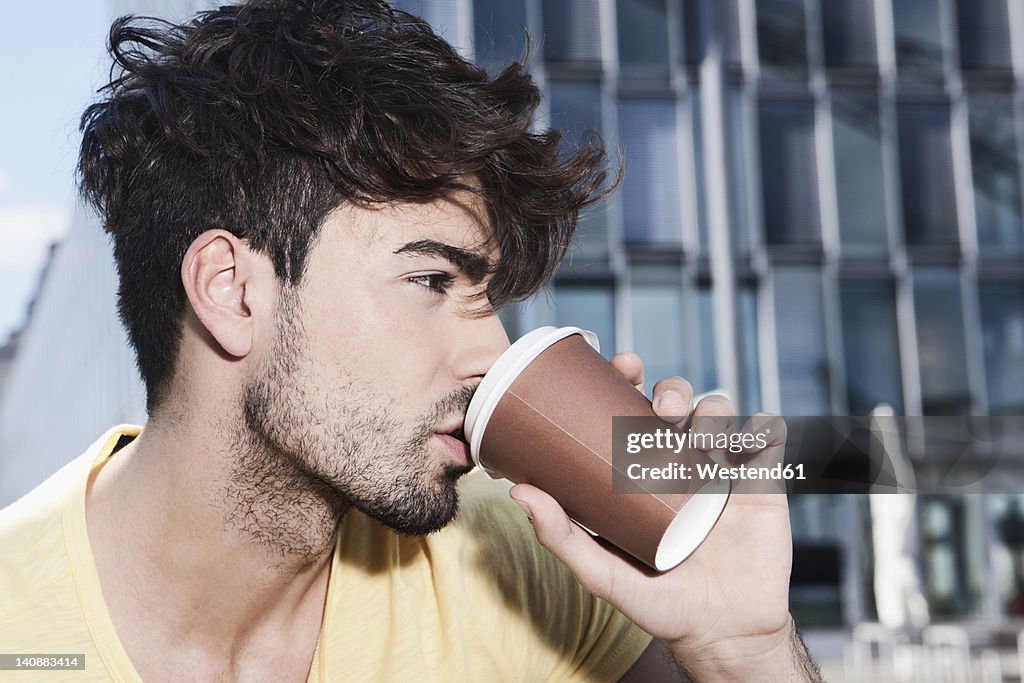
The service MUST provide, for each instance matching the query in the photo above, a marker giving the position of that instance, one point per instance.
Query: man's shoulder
(43, 505)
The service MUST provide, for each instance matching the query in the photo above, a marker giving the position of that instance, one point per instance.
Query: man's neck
(204, 541)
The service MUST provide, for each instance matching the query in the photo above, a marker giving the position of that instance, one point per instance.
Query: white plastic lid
(505, 371)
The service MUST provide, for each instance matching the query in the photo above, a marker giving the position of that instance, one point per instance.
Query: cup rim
(692, 524)
(500, 376)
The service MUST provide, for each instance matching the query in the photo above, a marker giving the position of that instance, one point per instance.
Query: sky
(52, 59)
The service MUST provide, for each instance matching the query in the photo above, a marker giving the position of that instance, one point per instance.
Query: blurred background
(821, 214)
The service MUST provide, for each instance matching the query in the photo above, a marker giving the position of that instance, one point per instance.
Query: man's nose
(479, 342)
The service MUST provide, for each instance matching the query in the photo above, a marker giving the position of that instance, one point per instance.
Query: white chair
(949, 653)
(870, 653)
(1020, 655)
(989, 667)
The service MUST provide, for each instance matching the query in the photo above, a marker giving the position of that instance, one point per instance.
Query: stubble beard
(306, 453)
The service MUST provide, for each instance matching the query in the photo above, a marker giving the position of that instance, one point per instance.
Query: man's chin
(425, 513)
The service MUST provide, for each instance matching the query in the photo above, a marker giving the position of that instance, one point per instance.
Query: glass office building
(821, 211)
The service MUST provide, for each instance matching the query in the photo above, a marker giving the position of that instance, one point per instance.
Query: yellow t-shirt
(478, 601)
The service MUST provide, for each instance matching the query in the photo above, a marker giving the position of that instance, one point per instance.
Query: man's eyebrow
(469, 262)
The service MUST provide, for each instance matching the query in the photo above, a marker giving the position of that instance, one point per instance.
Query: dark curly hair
(261, 118)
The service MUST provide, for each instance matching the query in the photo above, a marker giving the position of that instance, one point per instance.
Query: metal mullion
(690, 311)
(620, 288)
(622, 307)
(815, 44)
(686, 145)
(534, 25)
(892, 183)
(608, 25)
(992, 604)
(768, 356)
(852, 576)
(674, 17)
(464, 29)
(976, 380)
(834, 338)
(975, 557)
(608, 97)
(950, 45)
(746, 17)
(717, 180)
(1015, 14)
(828, 210)
(1017, 102)
(537, 65)
(963, 182)
(824, 157)
(828, 202)
(906, 330)
(753, 201)
(885, 40)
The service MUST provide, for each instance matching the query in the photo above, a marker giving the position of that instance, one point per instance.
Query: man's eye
(435, 282)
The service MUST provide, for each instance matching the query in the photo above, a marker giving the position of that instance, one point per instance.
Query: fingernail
(671, 401)
(525, 507)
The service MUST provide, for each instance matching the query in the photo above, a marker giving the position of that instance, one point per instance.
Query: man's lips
(452, 438)
(453, 429)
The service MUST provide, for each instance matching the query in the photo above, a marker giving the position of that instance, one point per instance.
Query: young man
(316, 208)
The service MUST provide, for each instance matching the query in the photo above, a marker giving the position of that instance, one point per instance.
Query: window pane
(984, 27)
(941, 348)
(949, 582)
(789, 173)
(815, 595)
(643, 36)
(694, 35)
(499, 32)
(650, 190)
(442, 15)
(870, 346)
(849, 33)
(591, 307)
(512, 321)
(748, 336)
(572, 31)
(697, 132)
(800, 342)
(860, 185)
(995, 169)
(697, 15)
(926, 174)
(782, 36)
(658, 329)
(1002, 330)
(737, 149)
(918, 38)
(708, 379)
(575, 108)
(729, 19)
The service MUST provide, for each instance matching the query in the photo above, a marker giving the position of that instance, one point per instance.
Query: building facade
(821, 211)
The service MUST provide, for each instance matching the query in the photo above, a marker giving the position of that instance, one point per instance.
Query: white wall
(74, 374)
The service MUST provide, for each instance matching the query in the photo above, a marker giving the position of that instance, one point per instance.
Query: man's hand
(724, 612)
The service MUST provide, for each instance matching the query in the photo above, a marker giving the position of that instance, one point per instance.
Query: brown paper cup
(543, 416)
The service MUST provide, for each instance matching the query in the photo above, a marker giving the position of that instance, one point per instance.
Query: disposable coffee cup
(543, 416)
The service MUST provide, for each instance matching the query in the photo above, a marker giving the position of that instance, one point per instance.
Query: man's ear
(224, 280)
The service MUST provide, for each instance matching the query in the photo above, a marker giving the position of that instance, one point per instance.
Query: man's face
(376, 356)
